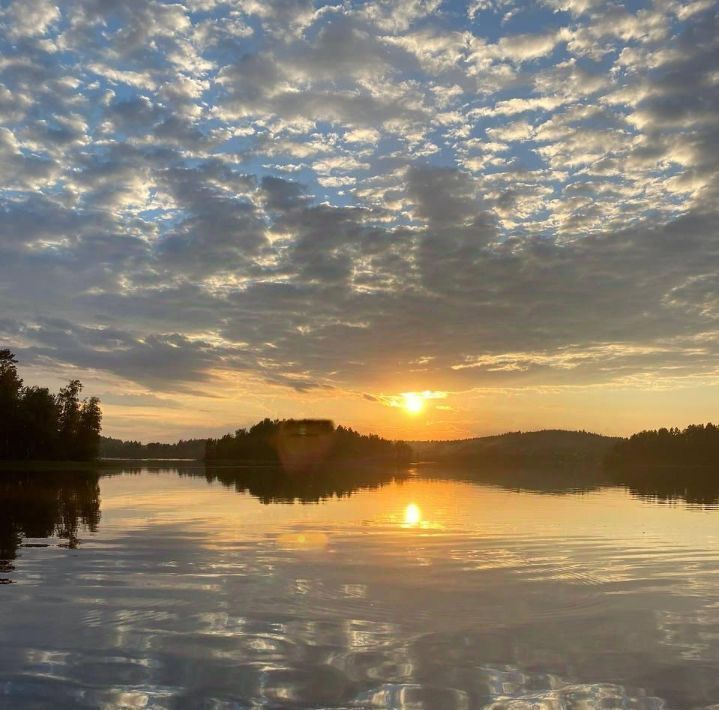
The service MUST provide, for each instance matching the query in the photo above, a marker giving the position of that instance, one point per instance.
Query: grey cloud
(135, 114)
(344, 49)
(218, 230)
(250, 79)
(443, 196)
(283, 195)
(157, 360)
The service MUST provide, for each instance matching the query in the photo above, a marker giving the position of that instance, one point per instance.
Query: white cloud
(30, 18)
(362, 135)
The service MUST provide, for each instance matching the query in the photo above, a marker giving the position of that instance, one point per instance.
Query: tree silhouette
(668, 464)
(35, 424)
(695, 446)
(10, 395)
(183, 449)
(39, 436)
(262, 443)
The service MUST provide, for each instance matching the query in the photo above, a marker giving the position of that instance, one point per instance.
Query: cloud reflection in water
(191, 593)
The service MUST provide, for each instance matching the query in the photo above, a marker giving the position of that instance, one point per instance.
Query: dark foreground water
(163, 589)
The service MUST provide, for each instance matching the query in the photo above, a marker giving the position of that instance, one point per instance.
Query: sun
(413, 402)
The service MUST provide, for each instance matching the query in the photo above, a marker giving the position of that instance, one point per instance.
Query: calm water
(162, 589)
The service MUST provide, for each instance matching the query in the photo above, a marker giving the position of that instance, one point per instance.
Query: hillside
(546, 447)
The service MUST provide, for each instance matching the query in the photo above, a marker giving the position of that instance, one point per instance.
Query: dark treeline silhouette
(183, 449)
(36, 424)
(669, 464)
(48, 505)
(695, 446)
(259, 444)
(273, 485)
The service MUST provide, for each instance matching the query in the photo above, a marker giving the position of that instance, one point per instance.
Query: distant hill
(546, 447)
(549, 447)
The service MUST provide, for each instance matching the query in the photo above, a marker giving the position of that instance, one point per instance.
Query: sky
(215, 211)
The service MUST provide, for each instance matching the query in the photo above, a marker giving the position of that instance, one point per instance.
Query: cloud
(527, 46)
(30, 17)
(513, 209)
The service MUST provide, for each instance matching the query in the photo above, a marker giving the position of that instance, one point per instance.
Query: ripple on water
(6, 568)
(282, 608)
(412, 695)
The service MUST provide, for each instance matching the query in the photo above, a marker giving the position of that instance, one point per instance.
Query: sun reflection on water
(412, 515)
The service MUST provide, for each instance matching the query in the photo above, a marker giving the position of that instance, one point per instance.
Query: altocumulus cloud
(511, 194)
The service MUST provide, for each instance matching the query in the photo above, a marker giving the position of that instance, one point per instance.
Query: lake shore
(43, 465)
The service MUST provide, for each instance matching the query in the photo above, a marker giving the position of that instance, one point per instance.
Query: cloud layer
(343, 196)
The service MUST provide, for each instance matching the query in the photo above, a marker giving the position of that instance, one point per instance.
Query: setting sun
(413, 402)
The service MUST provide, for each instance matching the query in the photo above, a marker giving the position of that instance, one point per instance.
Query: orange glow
(413, 402)
(412, 515)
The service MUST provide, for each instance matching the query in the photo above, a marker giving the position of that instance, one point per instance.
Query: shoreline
(50, 465)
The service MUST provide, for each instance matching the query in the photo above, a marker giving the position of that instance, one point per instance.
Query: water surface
(224, 589)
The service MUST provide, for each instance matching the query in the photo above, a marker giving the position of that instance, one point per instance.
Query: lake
(179, 587)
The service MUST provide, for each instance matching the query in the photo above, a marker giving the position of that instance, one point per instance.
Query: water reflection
(669, 485)
(274, 485)
(412, 515)
(672, 486)
(45, 505)
(397, 591)
(555, 480)
(310, 541)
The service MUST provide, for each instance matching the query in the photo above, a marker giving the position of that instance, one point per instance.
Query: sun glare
(412, 515)
(413, 402)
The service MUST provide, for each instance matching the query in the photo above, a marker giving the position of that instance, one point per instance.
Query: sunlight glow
(306, 541)
(413, 402)
(412, 514)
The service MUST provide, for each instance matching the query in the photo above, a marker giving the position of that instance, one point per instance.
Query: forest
(697, 446)
(668, 465)
(36, 424)
(259, 444)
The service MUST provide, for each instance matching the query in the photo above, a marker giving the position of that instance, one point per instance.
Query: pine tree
(10, 390)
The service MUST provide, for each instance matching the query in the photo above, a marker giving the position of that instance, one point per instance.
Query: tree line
(183, 449)
(695, 446)
(259, 444)
(36, 424)
(669, 464)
